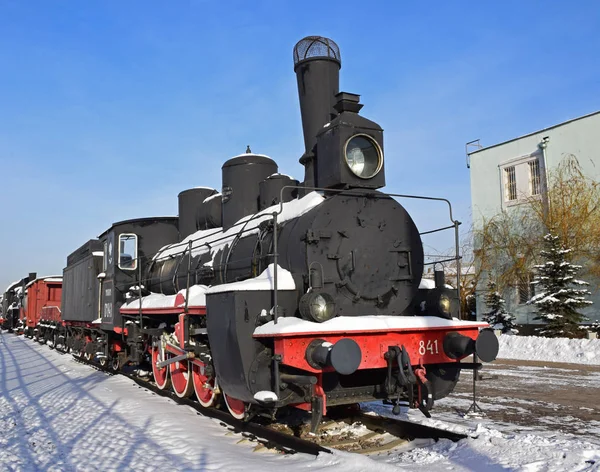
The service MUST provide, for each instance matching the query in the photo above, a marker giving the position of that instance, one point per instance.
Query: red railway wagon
(43, 305)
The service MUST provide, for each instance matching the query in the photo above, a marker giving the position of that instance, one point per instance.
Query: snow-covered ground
(59, 415)
(534, 348)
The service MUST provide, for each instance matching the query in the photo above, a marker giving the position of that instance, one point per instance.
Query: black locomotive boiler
(274, 293)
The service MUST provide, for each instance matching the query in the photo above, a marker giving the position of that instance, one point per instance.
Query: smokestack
(317, 63)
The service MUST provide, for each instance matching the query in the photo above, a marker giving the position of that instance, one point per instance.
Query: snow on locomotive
(272, 292)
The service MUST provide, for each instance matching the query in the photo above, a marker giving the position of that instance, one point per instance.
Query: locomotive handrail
(276, 269)
(140, 311)
(440, 262)
(435, 230)
(217, 230)
(351, 191)
(274, 215)
(187, 288)
(371, 194)
(261, 215)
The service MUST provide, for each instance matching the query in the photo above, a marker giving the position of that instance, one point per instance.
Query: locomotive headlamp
(317, 307)
(445, 304)
(363, 156)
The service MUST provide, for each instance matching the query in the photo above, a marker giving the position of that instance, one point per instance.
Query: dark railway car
(80, 296)
(13, 300)
(10, 302)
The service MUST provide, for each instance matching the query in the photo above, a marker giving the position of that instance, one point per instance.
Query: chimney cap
(316, 47)
(346, 101)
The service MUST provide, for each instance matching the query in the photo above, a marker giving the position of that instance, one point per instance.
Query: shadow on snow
(52, 420)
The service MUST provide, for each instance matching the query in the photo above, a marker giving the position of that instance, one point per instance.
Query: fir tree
(471, 306)
(498, 317)
(561, 293)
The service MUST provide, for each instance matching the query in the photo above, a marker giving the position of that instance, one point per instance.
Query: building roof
(535, 132)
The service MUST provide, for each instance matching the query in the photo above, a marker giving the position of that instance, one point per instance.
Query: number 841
(430, 347)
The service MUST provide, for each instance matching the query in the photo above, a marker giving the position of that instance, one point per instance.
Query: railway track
(347, 429)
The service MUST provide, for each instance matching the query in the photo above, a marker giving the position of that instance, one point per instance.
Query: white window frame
(523, 183)
(530, 289)
(134, 256)
(508, 172)
(105, 258)
(533, 185)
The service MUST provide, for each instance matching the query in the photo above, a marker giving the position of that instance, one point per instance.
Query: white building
(504, 174)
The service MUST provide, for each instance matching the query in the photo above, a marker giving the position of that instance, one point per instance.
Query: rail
(256, 430)
(275, 439)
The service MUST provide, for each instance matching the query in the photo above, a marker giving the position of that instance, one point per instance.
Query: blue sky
(108, 109)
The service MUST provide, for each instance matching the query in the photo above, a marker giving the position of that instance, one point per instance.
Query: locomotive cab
(128, 247)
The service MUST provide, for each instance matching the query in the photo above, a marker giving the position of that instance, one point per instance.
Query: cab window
(105, 258)
(128, 251)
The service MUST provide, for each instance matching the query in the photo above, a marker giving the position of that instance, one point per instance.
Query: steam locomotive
(12, 302)
(275, 293)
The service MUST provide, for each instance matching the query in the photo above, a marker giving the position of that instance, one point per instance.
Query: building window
(525, 289)
(510, 183)
(534, 177)
(521, 178)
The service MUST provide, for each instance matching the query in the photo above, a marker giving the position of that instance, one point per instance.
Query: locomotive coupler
(400, 379)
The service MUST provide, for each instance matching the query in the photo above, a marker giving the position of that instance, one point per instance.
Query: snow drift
(577, 351)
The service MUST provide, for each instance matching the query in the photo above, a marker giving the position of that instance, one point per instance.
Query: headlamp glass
(317, 307)
(363, 157)
(445, 304)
